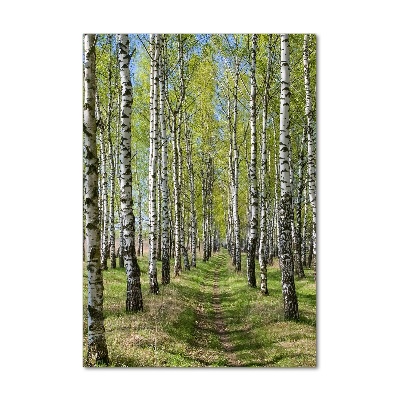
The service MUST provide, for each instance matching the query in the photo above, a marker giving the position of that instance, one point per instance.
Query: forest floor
(207, 317)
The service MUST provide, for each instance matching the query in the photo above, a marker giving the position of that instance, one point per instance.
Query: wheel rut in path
(219, 323)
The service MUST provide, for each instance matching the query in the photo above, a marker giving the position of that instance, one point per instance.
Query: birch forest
(199, 200)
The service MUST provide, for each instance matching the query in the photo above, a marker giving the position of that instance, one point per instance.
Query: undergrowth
(176, 328)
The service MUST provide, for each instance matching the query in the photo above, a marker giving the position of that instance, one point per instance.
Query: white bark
(97, 347)
(180, 185)
(262, 250)
(176, 121)
(134, 300)
(177, 204)
(286, 214)
(104, 197)
(193, 221)
(165, 218)
(311, 145)
(154, 79)
(111, 244)
(251, 251)
(299, 202)
(112, 211)
(235, 181)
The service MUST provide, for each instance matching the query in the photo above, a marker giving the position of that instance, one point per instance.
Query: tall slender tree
(111, 157)
(235, 180)
(252, 241)
(134, 301)
(97, 351)
(285, 211)
(262, 251)
(165, 218)
(104, 189)
(299, 204)
(311, 145)
(153, 164)
(175, 127)
(193, 220)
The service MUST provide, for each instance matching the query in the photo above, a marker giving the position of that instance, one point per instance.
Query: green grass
(176, 328)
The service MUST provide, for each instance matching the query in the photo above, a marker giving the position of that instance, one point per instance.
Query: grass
(177, 327)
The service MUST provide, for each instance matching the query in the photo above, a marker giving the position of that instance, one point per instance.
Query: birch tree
(193, 220)
(262, 252)
(97, 351)
(104, 191)
(252, 242)
(165, 220)
(134, 300)
(299, 202)
(175, 127)
(235, 180)
(154, 77)
(140, 214)
(285, 211)
(111, 246)
(311, 145)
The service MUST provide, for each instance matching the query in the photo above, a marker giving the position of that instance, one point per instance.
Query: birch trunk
(118, 168)
(97, 347)
(230, 244)
(193, 222)
(182, 213)
(111, 244)
(305, 230)
(205, 220)
(285, 212)
(112, 200)
(180, 163)
(177, 204)
(104, 201)
(311, 146)
(210, 179)
(270, 208)
(262, 250)
(134, 301)
(121, 238)
(165, 218)
(154, 76)
(235, 188)
(103, 195)
(251, 251)
(140, 224)
(299, 203)
(277, 206)
(159, 199)
(176, 121)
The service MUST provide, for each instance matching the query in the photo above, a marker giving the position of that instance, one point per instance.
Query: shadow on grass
(184, 327)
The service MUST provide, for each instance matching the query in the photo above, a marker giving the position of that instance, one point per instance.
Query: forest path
(220, 326)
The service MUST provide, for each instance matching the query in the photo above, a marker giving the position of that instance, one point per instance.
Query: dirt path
(219, 323)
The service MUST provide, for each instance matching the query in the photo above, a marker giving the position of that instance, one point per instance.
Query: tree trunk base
(134, 301)
(154, 288)
(97, 353)
(113, 261)
(165, 271)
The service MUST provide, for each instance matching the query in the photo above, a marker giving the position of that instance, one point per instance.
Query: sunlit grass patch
(177, 327)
